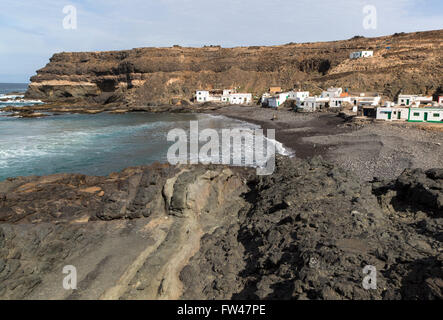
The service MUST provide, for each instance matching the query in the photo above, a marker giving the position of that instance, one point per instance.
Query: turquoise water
(92, 144)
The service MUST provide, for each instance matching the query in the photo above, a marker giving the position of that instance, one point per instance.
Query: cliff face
(413, 63)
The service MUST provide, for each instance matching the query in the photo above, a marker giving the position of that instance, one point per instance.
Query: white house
(337, 102)
(264, 98)
(228, 96)
(426, 115)
(278, 99)
(368, 101)
(293, 95)
(410, 99)
(361, 54)
(392, 113)
(426, 100)
(332, 92)
(440, 100)
(202, 96)
(311, 103)
(406, 99)
(238, 98)
(208, 96)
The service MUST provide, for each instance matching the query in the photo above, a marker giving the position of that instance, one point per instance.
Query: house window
(416, 114)
(437, 115)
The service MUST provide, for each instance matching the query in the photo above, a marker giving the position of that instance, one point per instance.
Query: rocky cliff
(211, 232)
(408, 63)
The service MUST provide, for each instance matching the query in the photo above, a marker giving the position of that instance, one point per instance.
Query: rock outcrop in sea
(216, 232)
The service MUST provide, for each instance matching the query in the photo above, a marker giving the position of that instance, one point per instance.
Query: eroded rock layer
(212, 232)
(408, 63)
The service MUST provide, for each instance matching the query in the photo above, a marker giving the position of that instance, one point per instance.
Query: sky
(32, 31)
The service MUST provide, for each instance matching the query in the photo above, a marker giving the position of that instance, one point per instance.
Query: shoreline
(372, 149)
(369, 150)
(280, 148)
(290, 127)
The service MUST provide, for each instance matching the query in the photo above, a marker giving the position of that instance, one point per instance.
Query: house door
(389, 115)
(426, 116)
(399, 115)
(407, 102)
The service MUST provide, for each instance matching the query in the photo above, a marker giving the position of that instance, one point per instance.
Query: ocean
(11, 94)
(94, 144)
(12, 87)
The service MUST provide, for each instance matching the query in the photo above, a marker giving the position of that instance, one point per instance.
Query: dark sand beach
(374, 149)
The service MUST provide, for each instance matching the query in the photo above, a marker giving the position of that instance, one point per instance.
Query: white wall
(406, 100)
(361, 54)
(337, 102)
(202, 96)
(433, 114)
(368, 101)
(278, 99)
(293, 95)
(332, 92)
(312, 103)
(240, 98)
(383, 113)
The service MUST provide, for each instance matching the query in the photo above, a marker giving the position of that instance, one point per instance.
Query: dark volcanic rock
(308, 232)
(417, 189)
(212, 232)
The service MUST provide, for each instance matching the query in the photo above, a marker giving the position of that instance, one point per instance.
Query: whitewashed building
(293, 95)
(392, 113)
(411, 99)
(440, 100)
(332, 93)
(361, 54)
(426, 115)
(368, 101)
(264, 98)
(337, 102)
(226, 96)
(202, 96)
(426, 100)
(312, 103)
(238, 98)
(277, 100)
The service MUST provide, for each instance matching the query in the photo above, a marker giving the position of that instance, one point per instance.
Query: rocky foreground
(214, 232)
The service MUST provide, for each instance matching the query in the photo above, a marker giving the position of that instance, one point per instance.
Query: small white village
(408, 107)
